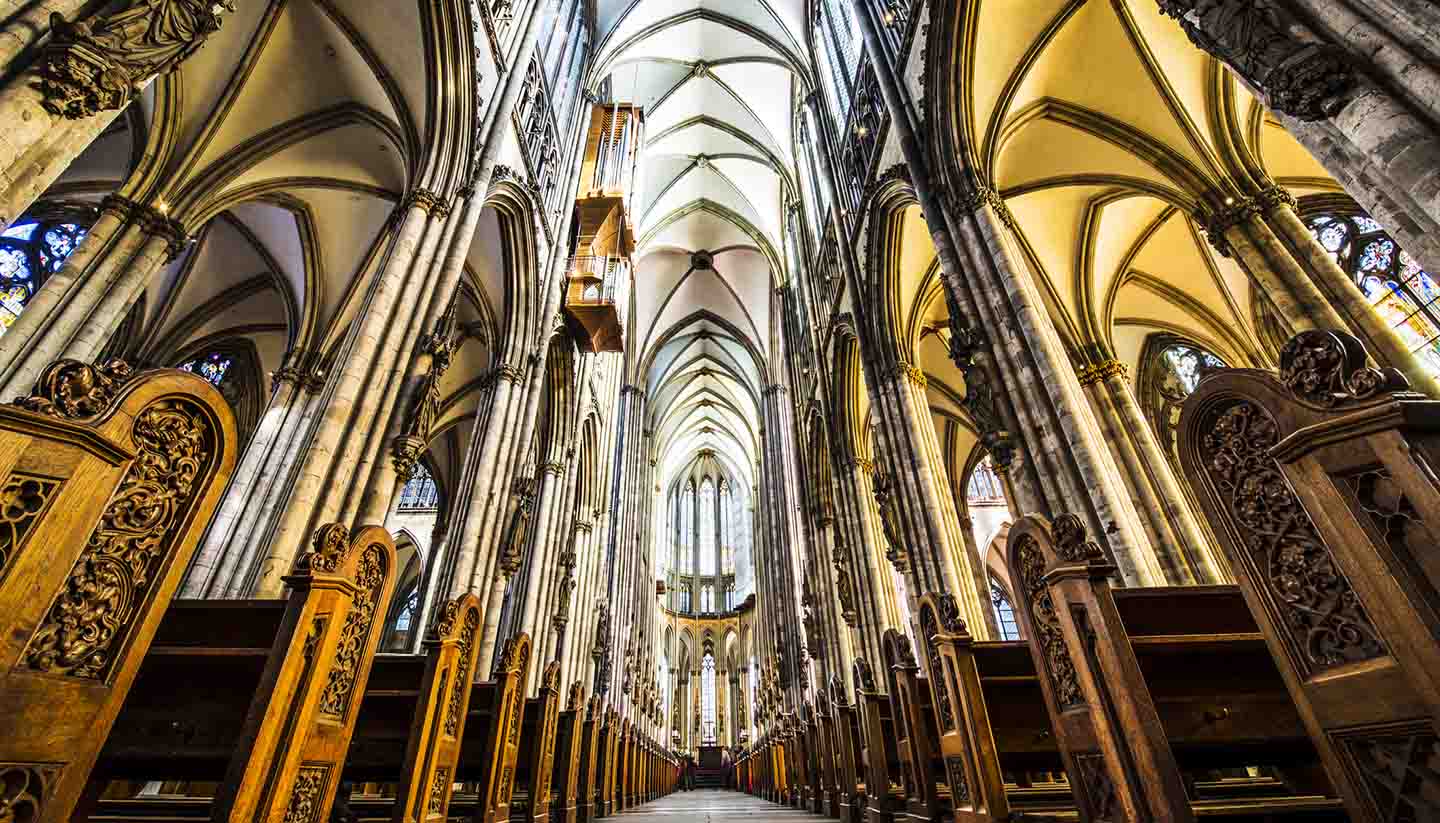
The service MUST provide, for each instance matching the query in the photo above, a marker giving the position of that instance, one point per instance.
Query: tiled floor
(712, 806)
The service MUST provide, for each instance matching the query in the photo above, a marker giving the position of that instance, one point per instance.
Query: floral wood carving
(947, 609)
(1328, 369)
(435, 806)
(929, 628)
(23, 500)
(98, 64)
(1306, 80)
(71, 389)
(308, 795)
(129, 549)
(1047, 625)
(328, 548)
(1068, 532)
(355, 634)
(24, 789)
(1293, 568)
(465, 651)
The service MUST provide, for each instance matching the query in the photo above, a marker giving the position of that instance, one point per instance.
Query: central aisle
(713, 805)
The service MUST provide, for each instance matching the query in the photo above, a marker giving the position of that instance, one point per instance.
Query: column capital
(911, 372)
(425, 200)
(553, 467)
(1099, 372)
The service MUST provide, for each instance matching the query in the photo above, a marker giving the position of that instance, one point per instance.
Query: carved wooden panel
(438, 726)
(1326, 624)
(106, 481)
(1400, 770)
(296, 736)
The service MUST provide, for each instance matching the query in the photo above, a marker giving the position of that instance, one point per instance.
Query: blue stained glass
(21, 231)
(1374, 287)
(1333, 236)
(14, 264)
(1425, 286)
(212, 367)
(1377, 256)
(1367, 225)
(61, 242)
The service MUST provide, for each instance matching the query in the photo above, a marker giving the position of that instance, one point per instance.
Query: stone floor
(712, 806)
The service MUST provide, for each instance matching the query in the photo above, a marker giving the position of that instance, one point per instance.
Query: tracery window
(707, 599)
(707, 698)
(420, 491)
(213, 366)
(984, 485)
(407, 617)
(707, 527)
(31, 251)
(687, 529)
(1170, 372)
(727, 530)
(1004, 612)
(1400, 291)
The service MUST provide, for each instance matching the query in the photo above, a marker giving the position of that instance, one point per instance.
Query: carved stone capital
(405, 454)
(423, 199)
(1261, 42)
(1102, 371)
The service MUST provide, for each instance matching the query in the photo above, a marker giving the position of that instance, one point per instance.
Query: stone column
(1302, 280)
(1329, 89)
(77, 309)
(348, 396)
(285, 402)
(1185, 551)
(80, 80)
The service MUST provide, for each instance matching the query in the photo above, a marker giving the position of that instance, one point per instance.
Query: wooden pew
(915, 744)
(849, 758)
(260, 696)
(884, 793)
(569, 745)
(110, 478)
(530, 781)
(587, 784)
(828, 799)
(1193, 651)
(1319, 484)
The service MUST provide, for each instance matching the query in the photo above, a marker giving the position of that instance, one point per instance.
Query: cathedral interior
(883, 410)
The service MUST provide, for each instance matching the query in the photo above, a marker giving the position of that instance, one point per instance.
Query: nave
(713, 806)
(959, 411)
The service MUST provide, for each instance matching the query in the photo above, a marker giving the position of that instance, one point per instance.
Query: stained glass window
(420, 492)
(1004, 612)
(1170, 375)
(707, 527)
(707, 698)
(1397, 287)
(213, 367)
(30, 251)
(687, 528)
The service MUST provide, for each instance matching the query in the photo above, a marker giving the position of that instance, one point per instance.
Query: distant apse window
(31, 251)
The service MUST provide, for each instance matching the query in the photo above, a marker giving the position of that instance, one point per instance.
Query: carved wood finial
(72, 389)
(1328, 368)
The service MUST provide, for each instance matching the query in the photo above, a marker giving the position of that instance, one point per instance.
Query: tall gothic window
(707, 599)
(1004, 612)
(707, 698)
(1401, 292)
(984, 485)
(1169, 373)
(707, 527)
(727, 529)
(420, 493)
(687, 530)
(406, 619)
(31, 251)
(213, 366)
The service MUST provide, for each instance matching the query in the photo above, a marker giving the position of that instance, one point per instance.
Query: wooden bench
(1150, 692)
(220, 700)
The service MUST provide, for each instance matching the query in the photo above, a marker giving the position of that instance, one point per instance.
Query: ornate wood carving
(1319, 483)
(1058, 665)
(298, 732)
(438, 725)
(106, 481)
(1326, 623)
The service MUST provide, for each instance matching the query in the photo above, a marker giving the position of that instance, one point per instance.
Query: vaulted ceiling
(718, 81)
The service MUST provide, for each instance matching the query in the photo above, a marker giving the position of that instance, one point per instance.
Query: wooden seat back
(565, 781)
(1319, 484)
(914, 743)
(109, 480)
(884, 793)
(534, 765)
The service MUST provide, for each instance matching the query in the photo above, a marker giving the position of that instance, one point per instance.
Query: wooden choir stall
(274, 710)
